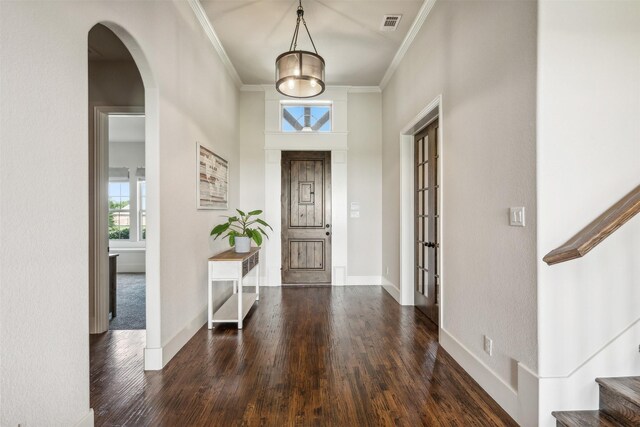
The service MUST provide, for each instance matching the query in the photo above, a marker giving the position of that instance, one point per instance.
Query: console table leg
(209, 303)
(240, 303)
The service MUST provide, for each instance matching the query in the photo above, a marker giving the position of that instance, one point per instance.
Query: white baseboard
(131, 268)
(153, 359)
(363, 281)
(87, 420)
(178, 341)
(265, 284)
(500, 391)
(157, 358)
(391, 289)
(528, 397)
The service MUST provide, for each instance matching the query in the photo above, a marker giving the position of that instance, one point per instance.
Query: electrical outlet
(386, 271)
(488, 345)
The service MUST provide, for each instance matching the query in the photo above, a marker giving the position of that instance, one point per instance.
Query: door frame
(273, 212)
(407, 202)
(99, 240)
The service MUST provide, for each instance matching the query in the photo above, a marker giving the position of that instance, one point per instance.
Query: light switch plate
(516, 217)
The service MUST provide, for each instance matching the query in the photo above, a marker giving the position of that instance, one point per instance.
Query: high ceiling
(346, 32)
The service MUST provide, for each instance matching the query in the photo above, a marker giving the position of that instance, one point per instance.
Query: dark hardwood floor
(307, 357)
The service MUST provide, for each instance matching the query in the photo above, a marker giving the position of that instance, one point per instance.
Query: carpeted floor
(130, 308)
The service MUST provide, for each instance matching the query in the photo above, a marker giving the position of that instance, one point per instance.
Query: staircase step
(584, 419)
(620, 399)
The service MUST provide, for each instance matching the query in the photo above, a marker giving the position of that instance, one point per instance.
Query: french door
(427, 247)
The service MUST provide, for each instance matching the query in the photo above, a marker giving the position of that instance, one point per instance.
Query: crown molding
(202, 17)
(364, 89)
(424, 11)
(252, 88)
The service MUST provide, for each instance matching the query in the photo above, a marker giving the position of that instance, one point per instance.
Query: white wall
(361, 126)
(365, 187)
(588, 158)
(44, 375)
(251, 134)
(481, 57)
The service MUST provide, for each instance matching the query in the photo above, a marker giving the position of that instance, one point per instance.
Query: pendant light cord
(294, 41)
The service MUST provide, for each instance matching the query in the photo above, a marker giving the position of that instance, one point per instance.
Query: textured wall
(44, 348)
(481, 57)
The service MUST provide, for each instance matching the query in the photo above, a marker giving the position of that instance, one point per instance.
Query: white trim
(528, 401)
(499, 390)
(424, 11)
(87, 420)
(273, 208)
(597, 352)
(391, 289)
(202, 17)
(299, 141)
(131, 268)
(252, 88)
(363, 281)
(152, 172)
(520, 404)
(157, 358)
(364, 89)
(183, 336)
(127, 249)
(100, 282)
(153, 359)
(425, 116)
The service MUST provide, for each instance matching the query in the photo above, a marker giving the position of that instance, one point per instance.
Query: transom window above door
(314, 117)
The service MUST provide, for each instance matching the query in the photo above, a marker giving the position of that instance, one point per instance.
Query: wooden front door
(306, 217)
(427, 247)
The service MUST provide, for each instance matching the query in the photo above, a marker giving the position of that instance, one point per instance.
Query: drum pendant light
(300, 73)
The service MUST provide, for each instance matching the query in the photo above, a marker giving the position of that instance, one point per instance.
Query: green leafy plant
(244, 225)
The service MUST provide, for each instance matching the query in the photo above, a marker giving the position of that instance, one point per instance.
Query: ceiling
(346, 33)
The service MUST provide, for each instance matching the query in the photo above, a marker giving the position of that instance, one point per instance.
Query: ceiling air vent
(390, 22)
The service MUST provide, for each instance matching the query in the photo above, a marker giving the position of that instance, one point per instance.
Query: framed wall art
(213, 180)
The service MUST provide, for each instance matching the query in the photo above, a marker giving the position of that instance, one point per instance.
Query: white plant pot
(243, 245)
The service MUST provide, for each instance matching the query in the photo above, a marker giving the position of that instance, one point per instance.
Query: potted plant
(242, 229)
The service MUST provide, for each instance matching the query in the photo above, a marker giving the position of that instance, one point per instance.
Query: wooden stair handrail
(601, 228)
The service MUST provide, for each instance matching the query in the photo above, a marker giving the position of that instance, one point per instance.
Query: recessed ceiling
(346, 33)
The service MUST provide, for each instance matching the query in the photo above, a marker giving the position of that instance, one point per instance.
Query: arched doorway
(122, 91)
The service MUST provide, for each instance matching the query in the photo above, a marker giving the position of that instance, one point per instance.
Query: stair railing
(598, 230)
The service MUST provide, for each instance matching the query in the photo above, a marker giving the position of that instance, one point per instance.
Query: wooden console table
(231, 266)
